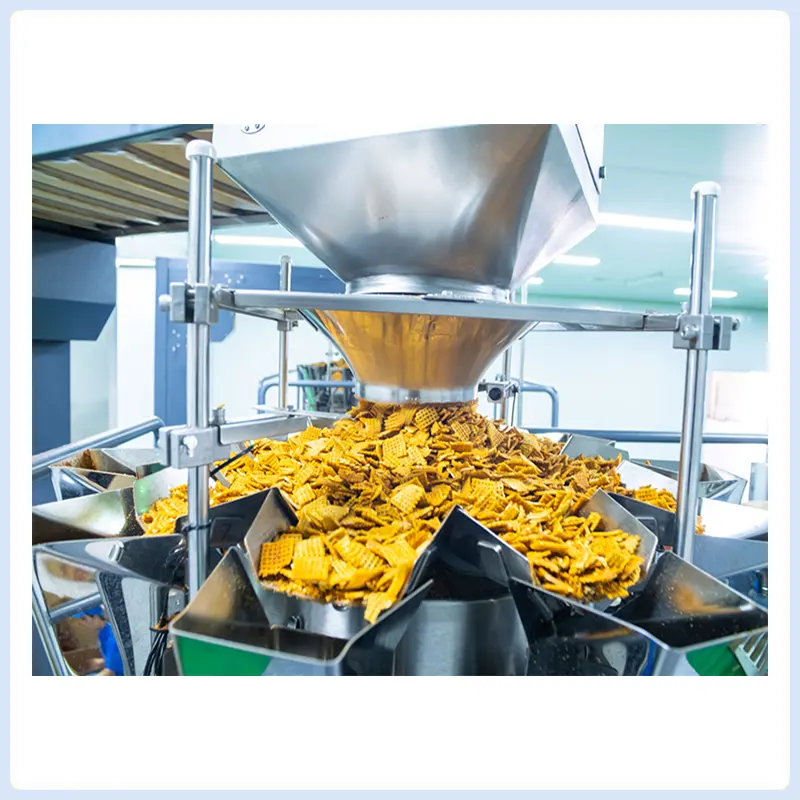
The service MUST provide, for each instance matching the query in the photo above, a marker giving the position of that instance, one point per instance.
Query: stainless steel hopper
(465, 212)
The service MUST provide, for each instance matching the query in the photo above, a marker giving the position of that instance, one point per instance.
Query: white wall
(135, 346)
(92, 395)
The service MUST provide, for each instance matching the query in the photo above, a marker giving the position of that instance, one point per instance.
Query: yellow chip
(360, 578)
(310, 548)
(400, 552)
(372, 425)
(377, 602)
(394, 448)
(305, 494)
(315, 570)
(425, 417)
(275, 556)
(406, 497)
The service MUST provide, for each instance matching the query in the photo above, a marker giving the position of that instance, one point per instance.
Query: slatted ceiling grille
(141, 187)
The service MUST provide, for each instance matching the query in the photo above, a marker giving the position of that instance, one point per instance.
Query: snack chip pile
(371, 491)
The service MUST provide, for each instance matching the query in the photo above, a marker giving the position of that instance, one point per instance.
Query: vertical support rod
(283, 337)
(198, 355)
(506, 376)
(521, 372)
(705, 197)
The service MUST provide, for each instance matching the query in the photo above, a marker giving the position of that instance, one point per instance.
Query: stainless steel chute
(457, 211)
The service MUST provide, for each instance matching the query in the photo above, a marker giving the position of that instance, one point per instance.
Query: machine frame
(197, 303)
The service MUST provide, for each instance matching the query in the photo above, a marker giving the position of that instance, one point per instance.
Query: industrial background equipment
(431, 231)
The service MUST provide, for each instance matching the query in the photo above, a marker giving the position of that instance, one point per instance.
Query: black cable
(231, 460)
(154, 665)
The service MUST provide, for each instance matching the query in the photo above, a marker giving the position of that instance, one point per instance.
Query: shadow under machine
(431, 230)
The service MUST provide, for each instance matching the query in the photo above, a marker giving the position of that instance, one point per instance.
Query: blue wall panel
(170, 356)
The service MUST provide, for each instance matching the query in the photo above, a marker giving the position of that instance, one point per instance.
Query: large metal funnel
(400, 358)
(474, 208)
(471, 210)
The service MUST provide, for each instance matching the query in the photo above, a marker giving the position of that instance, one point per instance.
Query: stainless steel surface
(654, 437)
(753, 654)
(714, 483)
(759, 483)
(682, 608)
(142, 557)
(283, 337)
(46, 631)
(464, 637)
(108, 514)
(153, 487)
(69, 482)
(198, 354)
(545, 317)
(576, 445)
(43, 461)
(398, 357)
(473, 208)
(694, 397)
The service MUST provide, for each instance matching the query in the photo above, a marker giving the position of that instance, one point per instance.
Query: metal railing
(526, 387)
(269, 383)
(657, 437)
(45, 618)
(43, 461)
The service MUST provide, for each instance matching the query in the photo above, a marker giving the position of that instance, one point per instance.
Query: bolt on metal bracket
(704, 332)
(190, 304)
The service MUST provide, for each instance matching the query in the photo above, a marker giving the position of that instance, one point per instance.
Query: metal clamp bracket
(183, 447)
(497, 391)
(704, 332)
(190, 304)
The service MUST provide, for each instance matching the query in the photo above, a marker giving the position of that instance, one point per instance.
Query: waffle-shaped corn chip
(309, 548)
(371, 491)
(425, 417)
(361, 577)
(406, 497)
(315, 570)
(275, 556)
(372, 425)
(395, 420)
(394, 448)
(305, 494)
(377, 602)
(401, 552)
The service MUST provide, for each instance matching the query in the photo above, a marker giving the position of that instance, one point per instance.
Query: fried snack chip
(275, 556)
(371, 491)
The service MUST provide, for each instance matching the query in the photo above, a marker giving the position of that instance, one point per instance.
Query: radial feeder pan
(468, 212)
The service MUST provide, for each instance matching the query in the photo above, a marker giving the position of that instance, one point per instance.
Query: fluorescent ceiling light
(136, 262)
(534, 281)
(256, 241)
(722, 294)
(577, 261)
(644, 223)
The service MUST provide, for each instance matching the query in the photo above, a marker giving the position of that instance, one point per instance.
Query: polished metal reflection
(715, 483)
(415, 357)
(101, 515)
(464, 637)
(470, 209)
(69, 482)
(683, 608)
